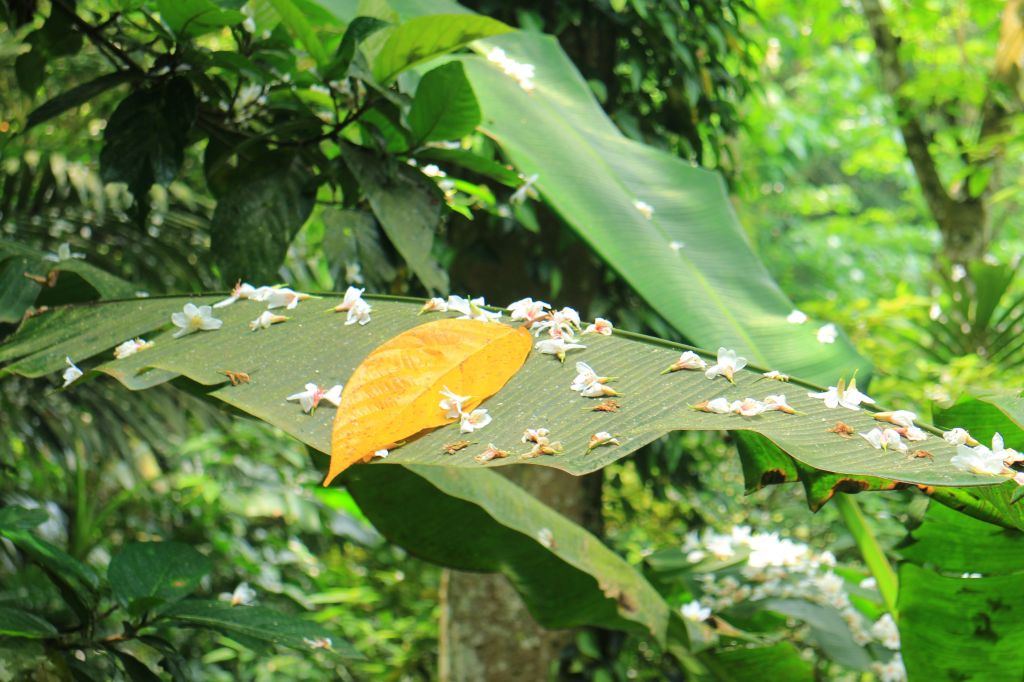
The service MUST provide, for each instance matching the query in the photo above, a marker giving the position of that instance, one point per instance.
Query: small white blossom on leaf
(359, 312)
(585, 375)
(534, 435)
(602, 438)
(828, 333)
(560, 324)
(528, 310)
(598, 390)
(979, 460)
(959, 436)
(195, 318)
(241, 290)
(600, 326)
(525, 190)
(434, 305)
(748, 407)
(728, 364)
(381, 454)
(843, 396)
(243, 595)
(796, 317)
(72, 373)
(474, 421)
(776, 375)
(490, 453)
(543, 446)
(777, 403)
(283, 297)
(452, 403)
(131, 347)
(913, 434)
(903, 418)
(695, 612)
(266, 319)
(546, 537)
(352, 297)
(716, 406)
(318, 643)
(1008, 455)
(472, 309)
(688, 360)
(676, 246)
(884, 439)
(643, 208)
(557, 347)
(310, 398)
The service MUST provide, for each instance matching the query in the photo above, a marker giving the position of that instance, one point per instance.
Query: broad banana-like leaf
(315, 345)
(689, 258)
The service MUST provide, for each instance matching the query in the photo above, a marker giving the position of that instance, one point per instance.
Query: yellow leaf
(396, 391)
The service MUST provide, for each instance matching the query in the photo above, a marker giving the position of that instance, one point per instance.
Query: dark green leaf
(754, 664)
(18, 623)
(827, 629)
(18, 292)
(445, 107)
(164, 571)
(53, 558)
(408, 206)
(255, 622)
(257, 217)
(357, 31)
(20, 518)
(479, 521)
(134, 669)
(30, 71)
(763, 462)
(145, 138)
(74, 97)
(423, 38)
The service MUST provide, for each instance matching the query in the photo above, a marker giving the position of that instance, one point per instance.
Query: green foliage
(444, 107)
(422, 38)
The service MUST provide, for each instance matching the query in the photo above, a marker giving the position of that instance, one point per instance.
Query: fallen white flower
(72, 373)
(728, 364)
(194, 318)
(828, 333)
(359, 312)
(600, 326)
(131, 347)
(557, 347)
(474, 421)
(266, 319)
(352, 296)
(796, 317)
(643, 208)
(310, 398)
(452, 403)
(843, 396)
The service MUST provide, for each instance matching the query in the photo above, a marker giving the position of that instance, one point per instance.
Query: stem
(870, 550)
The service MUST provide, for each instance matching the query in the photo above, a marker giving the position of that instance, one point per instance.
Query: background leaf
(18, 623)
(157, 572)
(445, 107)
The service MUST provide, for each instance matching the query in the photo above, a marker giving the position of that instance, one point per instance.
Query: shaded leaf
(960, 544)
(75, 97)
(395, 392)
(423, 38)
(20, 518)
(297, 23)
(260, 212)
(408, 206)
(190, 18)
(145, 138)
(255, 622)
(827, 629)
(160, 571)
(359, 29)
(17, 623)
(445, 107)
(779, 661)
(575, 581)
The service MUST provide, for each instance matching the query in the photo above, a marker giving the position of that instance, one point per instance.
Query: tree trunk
(486, 631)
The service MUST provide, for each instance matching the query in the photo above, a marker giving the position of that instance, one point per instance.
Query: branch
(916, 139)
(97, 38)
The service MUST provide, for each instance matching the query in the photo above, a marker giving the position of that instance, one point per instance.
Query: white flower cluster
(468, 421)
(773, 567)
(748, 407)
(979, 459)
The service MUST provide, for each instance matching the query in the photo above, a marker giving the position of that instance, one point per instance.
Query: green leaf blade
(445, 107)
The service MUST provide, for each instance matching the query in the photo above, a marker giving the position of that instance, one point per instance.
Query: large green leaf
(445, 107)
(423, 38)
(190, 18)
(315, 345)
(18, 623)
(74, 97)
(958, 543)
(691, 260)
(298, 23)
(566, 576)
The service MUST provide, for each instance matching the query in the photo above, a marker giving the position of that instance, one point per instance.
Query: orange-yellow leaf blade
(395, 392)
